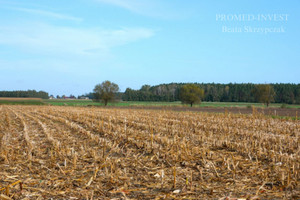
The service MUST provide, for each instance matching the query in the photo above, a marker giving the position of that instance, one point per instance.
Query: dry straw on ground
(96, 153)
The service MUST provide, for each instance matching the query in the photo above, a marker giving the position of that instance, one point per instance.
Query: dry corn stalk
(90, 152)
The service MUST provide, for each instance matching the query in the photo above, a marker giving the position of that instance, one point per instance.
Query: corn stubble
(97, 153)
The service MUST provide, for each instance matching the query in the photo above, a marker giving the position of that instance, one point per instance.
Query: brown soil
(289, 112)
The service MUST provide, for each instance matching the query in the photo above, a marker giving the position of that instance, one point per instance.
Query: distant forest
(232, 92)
(214, 92)
(24, 94)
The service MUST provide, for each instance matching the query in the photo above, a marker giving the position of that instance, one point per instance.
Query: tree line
(25, 94)
(215, 92)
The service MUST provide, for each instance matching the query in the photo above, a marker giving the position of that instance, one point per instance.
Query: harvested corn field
(97, 153)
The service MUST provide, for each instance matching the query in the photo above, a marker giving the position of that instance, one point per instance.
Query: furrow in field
(78, 155)
(14, 150)
(35, 137)
(46, 161)
(76, 127)
(187, 147)
(20, 121)
(113, 141)
(113, 162)
(68, 134)
(140, 138)
(218, 134)
(5, 135)
(142, 162)
(74, 167)
(46, 131)
(105, 152)
(116, 130)
(209, 136)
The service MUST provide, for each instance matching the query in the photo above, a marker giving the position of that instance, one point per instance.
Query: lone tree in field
(191, 93)
(105, 91)
(264, 93)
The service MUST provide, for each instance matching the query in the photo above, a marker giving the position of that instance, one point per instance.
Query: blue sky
(67, 47)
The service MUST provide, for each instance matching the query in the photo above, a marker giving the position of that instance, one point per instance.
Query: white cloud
(57, 40)
(132, 5)
(47, 14)
(151, 8)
